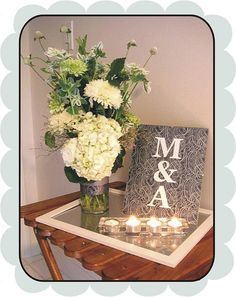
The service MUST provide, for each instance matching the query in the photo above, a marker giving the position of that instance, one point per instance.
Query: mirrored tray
(168, 250)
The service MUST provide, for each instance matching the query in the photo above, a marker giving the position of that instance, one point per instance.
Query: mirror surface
(161, 244)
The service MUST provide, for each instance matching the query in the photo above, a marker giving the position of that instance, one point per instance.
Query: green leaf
(82, 42)
(119, 161)
(109, 112)
(91, 65)
(71, 134)
(83, 100)
(49, 139)
(45, 70)
(70, 110)
(100, 109)
(115, 68)
(73, 176)
(99, 53)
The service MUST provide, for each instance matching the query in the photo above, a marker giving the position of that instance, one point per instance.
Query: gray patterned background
(184, 195)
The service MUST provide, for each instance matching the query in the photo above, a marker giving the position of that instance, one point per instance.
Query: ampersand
(163, 166)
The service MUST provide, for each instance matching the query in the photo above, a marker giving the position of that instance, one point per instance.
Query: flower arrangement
(89, 102)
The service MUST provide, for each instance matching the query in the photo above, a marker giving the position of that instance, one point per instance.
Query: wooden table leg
(48, 256)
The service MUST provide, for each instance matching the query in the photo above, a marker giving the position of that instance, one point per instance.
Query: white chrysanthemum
(104, 93)
(93, 153)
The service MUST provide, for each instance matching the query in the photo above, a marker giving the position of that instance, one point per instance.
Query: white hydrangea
(60, 122)
(68, 154)
(104, 93)
(93, 152)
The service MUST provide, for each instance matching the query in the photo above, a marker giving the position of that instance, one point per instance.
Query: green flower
(132, 119)
(71, 66)
(55, 103)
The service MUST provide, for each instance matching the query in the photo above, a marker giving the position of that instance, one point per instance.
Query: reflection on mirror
(164, 243)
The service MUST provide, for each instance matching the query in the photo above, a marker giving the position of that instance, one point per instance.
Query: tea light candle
(111, 225)
(133, 225)
(153, 225)
(175, 223)
(163, 220)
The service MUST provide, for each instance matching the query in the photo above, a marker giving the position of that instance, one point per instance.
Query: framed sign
(166, 172)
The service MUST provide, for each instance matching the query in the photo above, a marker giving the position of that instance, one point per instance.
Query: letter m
(175, 145)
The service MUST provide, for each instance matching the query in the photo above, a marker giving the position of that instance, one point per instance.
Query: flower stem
(40, 76)
(68, 42)
(127, 51)
(41, 45)
(147, 61)
(132, 90)
(72, 107)
(38, 58)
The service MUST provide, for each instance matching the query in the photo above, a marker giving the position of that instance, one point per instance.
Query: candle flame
(175, 222)
(153, 222)
(133, 221)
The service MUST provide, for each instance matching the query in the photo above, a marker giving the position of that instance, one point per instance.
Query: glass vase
(94, 197)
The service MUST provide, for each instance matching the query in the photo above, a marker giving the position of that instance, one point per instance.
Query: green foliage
(49, 139)
(97, 109)
(82, 43)
(71, 134)
(116, 67)
(99, 53)
(73, 177)
(55, 103)
(109, 112)
(119, 161)
(100, 71)
(91, 65)
(72, 110)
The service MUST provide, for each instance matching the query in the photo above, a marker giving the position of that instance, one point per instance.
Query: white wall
(182, 86)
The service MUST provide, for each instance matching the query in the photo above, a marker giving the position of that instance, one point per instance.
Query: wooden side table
(110, 263)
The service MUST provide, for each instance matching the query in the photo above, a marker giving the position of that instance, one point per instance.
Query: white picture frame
(172, 260)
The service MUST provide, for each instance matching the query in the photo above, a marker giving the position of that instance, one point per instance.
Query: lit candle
(133, 225)
(111, 226)
(163, 220)
(175, 223)
(153, 225)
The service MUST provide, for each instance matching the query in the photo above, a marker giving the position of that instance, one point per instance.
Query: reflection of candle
(154, 225)
(133, 225)
(175, 223)
(111, 225)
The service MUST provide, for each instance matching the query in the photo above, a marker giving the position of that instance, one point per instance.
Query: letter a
(162, 193)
